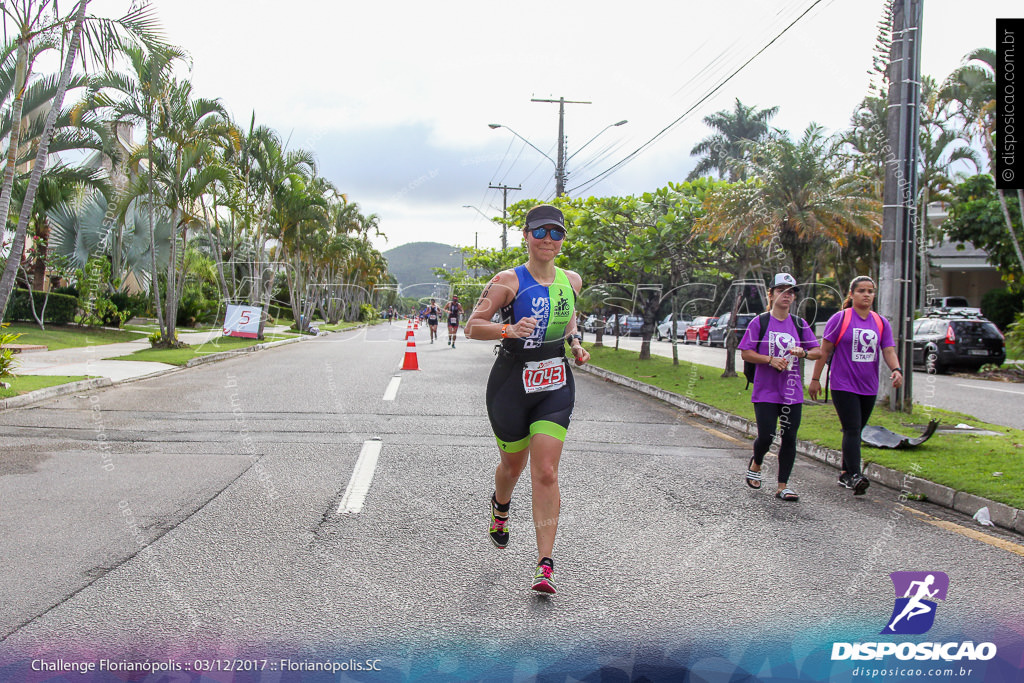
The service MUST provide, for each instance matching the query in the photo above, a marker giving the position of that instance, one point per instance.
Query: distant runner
(433, 314)
(454, 309)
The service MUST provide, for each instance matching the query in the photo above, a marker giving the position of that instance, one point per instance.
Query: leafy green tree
(971, 89)
(802, 196)
(976, 216)
(135, 97)
(722, 151)
(31, 20)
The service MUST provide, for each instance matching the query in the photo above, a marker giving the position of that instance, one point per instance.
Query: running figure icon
(916, 594)
(915, 607)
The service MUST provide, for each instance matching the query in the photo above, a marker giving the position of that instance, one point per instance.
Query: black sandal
(752, 476)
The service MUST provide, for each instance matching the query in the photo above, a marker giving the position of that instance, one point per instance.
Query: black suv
(718, 331)
(944, 341)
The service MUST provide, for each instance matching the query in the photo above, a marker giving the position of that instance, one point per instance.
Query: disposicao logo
(914, 614)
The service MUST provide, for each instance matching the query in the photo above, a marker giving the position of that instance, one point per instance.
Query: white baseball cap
(784, 280)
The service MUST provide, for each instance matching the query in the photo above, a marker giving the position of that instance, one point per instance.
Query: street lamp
(492, 126)
(610, 125)
(560, 164)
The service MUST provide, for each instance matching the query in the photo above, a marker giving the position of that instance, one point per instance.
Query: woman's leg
(789, 423)
(766, 415)
(545, 454)
(507, 474)
(848, 408)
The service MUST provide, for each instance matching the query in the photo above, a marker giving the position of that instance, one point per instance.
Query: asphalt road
(196, 516)
(1000, 403)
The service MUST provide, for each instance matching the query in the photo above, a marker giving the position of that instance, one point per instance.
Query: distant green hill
(412, 263)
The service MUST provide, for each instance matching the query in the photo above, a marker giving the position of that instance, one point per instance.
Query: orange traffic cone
(410, 362)
(416, 326)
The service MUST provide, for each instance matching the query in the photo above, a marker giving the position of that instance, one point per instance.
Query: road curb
(906, 484)
(54, 391)
(224, 355)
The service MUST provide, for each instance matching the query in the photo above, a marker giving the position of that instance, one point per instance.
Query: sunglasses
(557, 234)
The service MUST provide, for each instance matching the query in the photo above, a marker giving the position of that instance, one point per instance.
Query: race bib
(543, 375)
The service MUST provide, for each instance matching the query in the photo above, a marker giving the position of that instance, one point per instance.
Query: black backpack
(749, 368)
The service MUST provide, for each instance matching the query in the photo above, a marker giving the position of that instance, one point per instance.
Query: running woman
(454, 310)
(530, 391)
(778, 393)
(432, 314)
(856, 338)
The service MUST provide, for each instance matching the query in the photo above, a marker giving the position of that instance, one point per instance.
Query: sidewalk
(92, 361)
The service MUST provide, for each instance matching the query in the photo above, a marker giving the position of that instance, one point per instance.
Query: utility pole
(560, 164)
(504, 211)
(899, 205)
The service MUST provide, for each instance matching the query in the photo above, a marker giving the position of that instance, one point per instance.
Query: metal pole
(560, 164)
(504, 211)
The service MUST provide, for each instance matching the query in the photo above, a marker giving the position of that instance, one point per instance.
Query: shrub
(1015, 332)
(1001, 306)
(7, 358)
(134, 304)
(60, 309)
(367, 313)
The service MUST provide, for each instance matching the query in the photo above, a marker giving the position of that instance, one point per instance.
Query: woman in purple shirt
(856, 338)
(778, 393)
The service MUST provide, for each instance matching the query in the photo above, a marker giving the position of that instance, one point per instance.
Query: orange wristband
(504, 331)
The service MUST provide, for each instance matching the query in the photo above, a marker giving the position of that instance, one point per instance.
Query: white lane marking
(1005, 391)
(392, 390)
(362, 475)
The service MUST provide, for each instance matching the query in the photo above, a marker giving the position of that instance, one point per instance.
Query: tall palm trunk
(18, 246)
(1009, 223)
(154, 275)
(14, 143)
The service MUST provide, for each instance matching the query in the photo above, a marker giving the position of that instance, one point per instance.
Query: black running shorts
(515, 415)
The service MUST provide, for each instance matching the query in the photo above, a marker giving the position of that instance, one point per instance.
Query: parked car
(945, 341)
(682, 322)
(698, 330)
(718, 331)
(592, 323)
(631, 325)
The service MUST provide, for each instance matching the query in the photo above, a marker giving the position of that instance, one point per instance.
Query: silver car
(682, 322)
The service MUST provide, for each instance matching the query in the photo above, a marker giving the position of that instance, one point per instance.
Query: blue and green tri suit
(516, 415)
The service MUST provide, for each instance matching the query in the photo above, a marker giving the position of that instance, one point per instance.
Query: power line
(632, 155)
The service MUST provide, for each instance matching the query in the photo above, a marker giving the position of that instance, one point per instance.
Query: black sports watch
(574, 336)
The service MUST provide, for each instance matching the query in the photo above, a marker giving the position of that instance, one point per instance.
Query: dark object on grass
(880, 437)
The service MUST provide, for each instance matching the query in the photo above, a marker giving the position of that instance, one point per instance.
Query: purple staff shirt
(854, 365)
(770, 385)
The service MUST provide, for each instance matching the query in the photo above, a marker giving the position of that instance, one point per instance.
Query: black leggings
(788, 419)
(854, 411)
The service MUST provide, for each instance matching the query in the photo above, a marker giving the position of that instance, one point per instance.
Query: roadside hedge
(60, 309)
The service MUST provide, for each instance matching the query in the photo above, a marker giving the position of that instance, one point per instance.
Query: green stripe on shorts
(513, 446)
(549, 428)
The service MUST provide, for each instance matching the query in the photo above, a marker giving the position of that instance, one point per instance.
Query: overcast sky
(394, 98)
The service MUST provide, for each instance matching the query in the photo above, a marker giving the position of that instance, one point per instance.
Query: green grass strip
(23, 384)
(56, 337)
(184, 355)
(965, 462)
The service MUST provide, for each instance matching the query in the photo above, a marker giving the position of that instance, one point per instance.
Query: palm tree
(181, 169)
(72, 131)
(736, 129)
(801, 195)
(971, 89)
(32, 19)
(135, 97)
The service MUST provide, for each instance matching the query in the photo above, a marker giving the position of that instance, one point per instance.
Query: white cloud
(388, 93)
